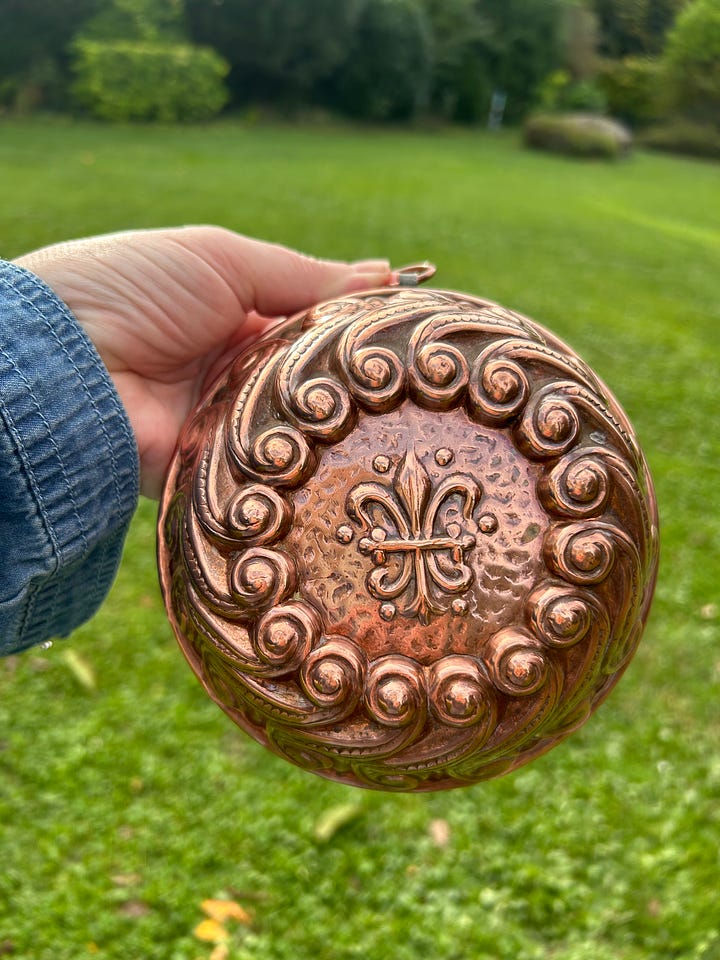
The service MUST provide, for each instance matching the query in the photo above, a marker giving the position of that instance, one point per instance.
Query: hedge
(127, 80)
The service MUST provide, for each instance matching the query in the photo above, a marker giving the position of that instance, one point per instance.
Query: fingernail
(370, 266)
(364, 281)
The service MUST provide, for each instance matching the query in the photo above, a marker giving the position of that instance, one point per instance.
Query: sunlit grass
(123, 808)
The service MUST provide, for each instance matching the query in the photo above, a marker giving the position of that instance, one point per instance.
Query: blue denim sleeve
(68, 467)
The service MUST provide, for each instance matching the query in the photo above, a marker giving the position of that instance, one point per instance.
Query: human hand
(167, 309)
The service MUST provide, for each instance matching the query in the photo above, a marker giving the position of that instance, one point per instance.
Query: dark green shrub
(634, 27)
(684, 137)
(631, 89)
(149, 20)
(386, 75)
(692, 59)
(502, 46)
(577, 135)
(126, 80)
(41, 84)
(280, 51)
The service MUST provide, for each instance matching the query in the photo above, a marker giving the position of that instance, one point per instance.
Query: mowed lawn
(127, 798)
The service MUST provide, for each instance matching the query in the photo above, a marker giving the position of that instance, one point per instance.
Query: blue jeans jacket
(68, 467)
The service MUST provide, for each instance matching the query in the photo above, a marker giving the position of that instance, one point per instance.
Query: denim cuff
(69, 469)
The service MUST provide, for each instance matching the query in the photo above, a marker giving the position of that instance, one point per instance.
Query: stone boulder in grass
(578, 135)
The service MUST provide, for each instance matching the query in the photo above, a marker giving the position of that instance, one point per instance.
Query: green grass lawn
(123, 807)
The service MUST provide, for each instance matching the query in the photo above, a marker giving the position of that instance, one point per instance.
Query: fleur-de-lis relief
(407, 521)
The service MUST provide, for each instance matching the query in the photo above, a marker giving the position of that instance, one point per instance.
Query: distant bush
(631, 89)
(692, 59)
(577, 135)
(129, 80)
(684, 137)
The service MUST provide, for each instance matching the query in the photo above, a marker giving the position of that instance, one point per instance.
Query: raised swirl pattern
(333, 675)
(260, 578)
(561, 615)
(461, 694)
(285, 635)
(550, 425)
(516, 663)
(498, 387)
(395, 693)
(577, 486)
(582, 553)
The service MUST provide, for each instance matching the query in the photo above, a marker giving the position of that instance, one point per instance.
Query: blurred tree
(148, 20)
(34, 30)
(524, 46)
(632, 88)
(278, 50)
(386, 75)
(692, 58)
(580, 42)
(33, 45)
(482, 46)
(456, 26)
(632, 27)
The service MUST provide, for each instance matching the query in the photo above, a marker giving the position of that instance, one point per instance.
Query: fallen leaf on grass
(223, 910)
(81, 669)
(334, 818)
(134, 909)
(439, 831)
(211, 931)
(126, 879)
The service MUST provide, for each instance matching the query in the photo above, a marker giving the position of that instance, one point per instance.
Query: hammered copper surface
(409, 542)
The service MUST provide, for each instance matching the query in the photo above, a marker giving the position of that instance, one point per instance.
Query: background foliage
(693, 61)
(382, 60)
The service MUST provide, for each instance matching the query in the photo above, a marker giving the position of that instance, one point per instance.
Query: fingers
(273, 280)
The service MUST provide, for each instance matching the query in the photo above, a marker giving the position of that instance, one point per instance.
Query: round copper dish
(409, 541)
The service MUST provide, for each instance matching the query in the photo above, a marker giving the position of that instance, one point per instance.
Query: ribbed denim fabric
(68, 467)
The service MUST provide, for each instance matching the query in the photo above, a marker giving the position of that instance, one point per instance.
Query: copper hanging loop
(413, 275)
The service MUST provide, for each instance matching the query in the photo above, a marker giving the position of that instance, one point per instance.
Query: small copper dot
(583, 486)
(440, 370)
(344, 533)
(460, 699)
(393, 697)
(488, 523)
(279, 451)
(387, 611)
(253, 512)
(381, 463)
(280, 636)
(459, 607)
(258, 576)
(444, 456)
(555, 424)
(504, 386)
(321, 403)
(327, 678)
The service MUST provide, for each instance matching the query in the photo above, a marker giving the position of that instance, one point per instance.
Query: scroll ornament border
(260, 648)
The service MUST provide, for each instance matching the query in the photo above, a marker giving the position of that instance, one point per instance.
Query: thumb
(273, 280)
